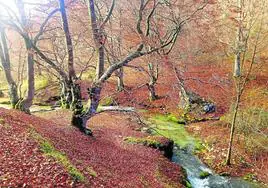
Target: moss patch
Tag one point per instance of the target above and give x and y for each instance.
(107, 101)
(49, 150)
(169, 127)
(204, 174)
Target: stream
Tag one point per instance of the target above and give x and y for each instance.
(194, 167)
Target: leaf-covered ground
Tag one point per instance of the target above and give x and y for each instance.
(105, 160)
(21, 162)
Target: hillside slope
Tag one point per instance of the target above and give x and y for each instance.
(104, 160)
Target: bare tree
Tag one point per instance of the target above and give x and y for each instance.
(144, 28)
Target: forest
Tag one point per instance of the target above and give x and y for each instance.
(138, 93)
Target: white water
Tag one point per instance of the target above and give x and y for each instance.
(194, 167)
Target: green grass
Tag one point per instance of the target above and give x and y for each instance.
(169, 127)
(49, 150)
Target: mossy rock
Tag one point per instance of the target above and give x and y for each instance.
(160, 143)
(250, 177)
(185, 181)
(204, 174)
(147, 141)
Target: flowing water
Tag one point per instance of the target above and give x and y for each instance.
(194, 167)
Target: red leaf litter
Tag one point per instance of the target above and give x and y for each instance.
(114, 162)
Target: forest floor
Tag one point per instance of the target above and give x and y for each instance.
(35, 151)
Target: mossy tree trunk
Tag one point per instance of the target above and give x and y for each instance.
(65, 95)
(70, 95)
(80, 117)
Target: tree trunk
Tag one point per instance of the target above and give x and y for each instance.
(237, 76)
(152, 93)
(66, 95)
(100, 65)
(185, 101)
(120, 79)
(237, 65)
(25, 104)
(72, 92)
(153, 74)
(76, 95)
(68, 39)
(80, 118)
(28, 101)
(5, 60)
(228, 157)
(98, 37)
